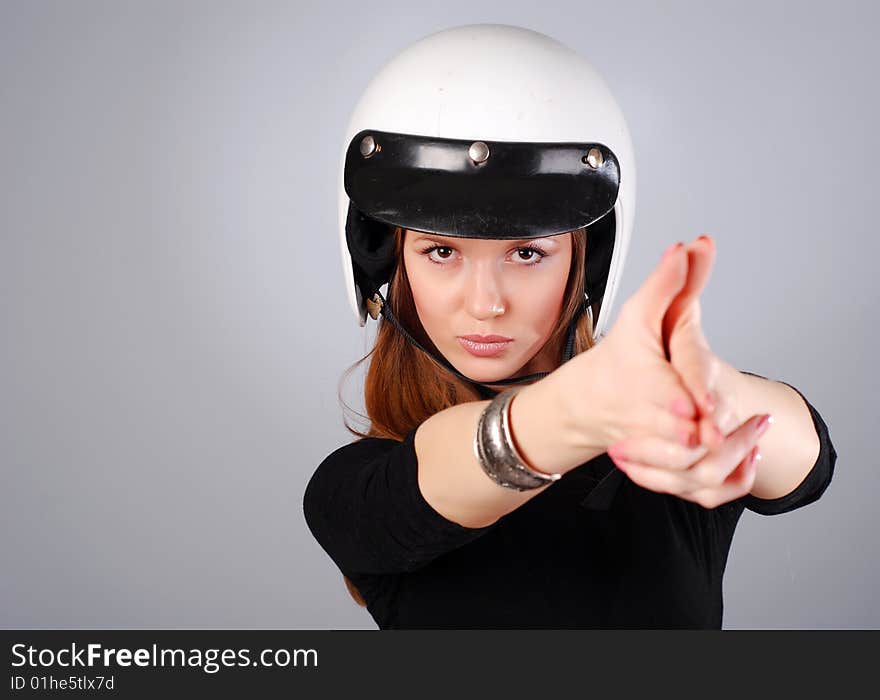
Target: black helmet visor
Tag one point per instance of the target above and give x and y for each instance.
(480, 189)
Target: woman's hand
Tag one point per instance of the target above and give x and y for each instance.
(624, 386)
(722, 468)
(689, 352)
(717, 477)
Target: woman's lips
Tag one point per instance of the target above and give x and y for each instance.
(483, 349)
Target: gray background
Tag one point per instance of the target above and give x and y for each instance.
(175, 323)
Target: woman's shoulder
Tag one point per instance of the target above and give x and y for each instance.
(367, 447)
(350, 461)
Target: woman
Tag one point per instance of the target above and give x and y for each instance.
(548, 475)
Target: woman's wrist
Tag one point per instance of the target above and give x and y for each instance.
(546, 433)
(728, 416)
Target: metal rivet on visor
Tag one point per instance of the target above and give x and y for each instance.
(594, 158)
(478, 152)
(368, 146)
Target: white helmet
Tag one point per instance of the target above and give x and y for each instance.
(485, 131)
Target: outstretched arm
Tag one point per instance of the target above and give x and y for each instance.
(729, 400)
(790, 448)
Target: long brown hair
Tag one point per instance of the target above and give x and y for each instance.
(404, 387)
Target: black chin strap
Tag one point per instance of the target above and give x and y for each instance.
(484, 389)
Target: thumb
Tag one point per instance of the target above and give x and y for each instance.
(701, 259)
(662, 286)
(697, 366)
(685, 306)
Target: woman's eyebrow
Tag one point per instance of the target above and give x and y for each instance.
(451, 240)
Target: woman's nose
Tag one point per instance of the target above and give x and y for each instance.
(484, 296)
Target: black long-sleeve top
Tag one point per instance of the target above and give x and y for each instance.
(593, 550)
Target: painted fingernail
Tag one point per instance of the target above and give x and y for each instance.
(671, 249)
(680, 408)
(763, 424)
(754, 456)
(616, 453)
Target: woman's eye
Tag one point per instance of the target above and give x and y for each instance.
(442, 251)
(531, 254)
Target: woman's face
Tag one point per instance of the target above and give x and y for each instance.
(475, 286)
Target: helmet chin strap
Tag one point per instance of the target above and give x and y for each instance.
(484, 388)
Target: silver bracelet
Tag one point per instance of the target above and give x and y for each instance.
(496, 453)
